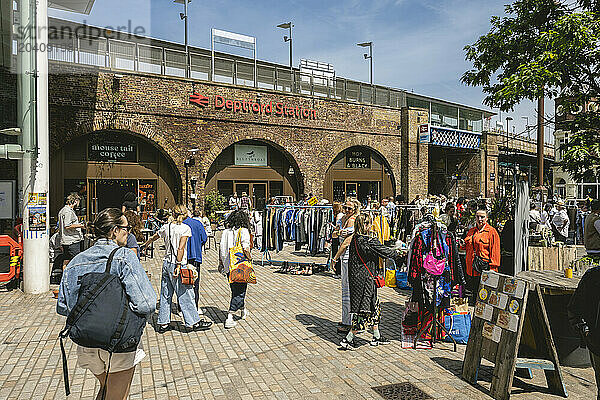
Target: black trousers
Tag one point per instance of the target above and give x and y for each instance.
(596, 364)
(238, 296)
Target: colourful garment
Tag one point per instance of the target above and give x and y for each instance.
(486, 244)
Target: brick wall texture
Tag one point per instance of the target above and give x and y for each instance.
(84, 100)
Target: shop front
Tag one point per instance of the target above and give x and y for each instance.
(359, 172)
(103, 167)
(258, 168)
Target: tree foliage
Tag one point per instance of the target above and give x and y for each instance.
(552, 48)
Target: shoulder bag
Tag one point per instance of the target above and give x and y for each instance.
(240, 268)
(189, 273)
(379, 281)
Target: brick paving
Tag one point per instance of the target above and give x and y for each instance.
(287, 349)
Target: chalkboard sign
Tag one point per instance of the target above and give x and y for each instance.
(358, 158)
(510, 329)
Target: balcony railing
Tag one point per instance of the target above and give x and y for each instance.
(167, 59)
(447, 137)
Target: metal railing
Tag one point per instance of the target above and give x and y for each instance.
(168, 60)
(523, 144)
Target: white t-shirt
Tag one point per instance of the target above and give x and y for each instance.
(177, 231)
(228, 240)
(561, 221)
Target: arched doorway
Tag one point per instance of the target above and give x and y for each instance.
(360, 172)
(103, 166)
(259, 168)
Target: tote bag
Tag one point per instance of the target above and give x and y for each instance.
(240, 268)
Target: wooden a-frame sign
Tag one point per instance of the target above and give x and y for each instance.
(510, 329)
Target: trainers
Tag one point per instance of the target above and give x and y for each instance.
(230, 323)
(381, 340)
(244, 314)
(202, 325)
(346, 345)
(163, 328)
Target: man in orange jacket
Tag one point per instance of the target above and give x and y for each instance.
(482, 241)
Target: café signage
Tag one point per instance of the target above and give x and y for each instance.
(271, 108)
(358, 158)
(112, 151)
(250, 155)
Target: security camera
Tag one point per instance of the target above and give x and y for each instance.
(366, 56)
(182, 15)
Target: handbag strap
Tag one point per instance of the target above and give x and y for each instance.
(365, 264)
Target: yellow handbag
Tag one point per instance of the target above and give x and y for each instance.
(240, 268)
(390, 278)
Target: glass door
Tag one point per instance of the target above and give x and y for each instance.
(259, 195)
(351, 189)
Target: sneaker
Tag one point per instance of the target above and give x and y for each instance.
(202, 325)
(382, 340)
(244, 314)
(230, 323)
(162, 328)
(346, 345)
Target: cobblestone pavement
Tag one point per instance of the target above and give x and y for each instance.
(287, 349)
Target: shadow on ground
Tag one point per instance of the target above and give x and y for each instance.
(485, 374)
(322, 327)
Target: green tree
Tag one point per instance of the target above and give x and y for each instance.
(213, 201)
(546, 47)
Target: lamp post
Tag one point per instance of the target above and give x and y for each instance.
(184, 17)
(289, 25)
(369, 57)
(189, 162)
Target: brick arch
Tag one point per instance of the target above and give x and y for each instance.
(126, 126)
(385, 154)
(211, 155)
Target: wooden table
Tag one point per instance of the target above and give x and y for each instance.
(551, 282)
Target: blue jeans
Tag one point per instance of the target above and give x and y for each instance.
(185, 297)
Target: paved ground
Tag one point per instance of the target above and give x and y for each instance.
(287, 349)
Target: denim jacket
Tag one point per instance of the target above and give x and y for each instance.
(125, 264)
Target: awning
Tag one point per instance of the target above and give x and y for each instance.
(78, 6)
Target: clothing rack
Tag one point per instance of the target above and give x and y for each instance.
(266, 255)
(435, 321)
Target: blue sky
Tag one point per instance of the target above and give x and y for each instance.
(418, 44)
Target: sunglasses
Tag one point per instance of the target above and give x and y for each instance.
(124, 227)
(348, 208)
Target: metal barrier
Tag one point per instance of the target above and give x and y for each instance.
(164, 60)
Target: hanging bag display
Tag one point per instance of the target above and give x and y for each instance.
(240, 267)
(188, 274)
(379, 281)
(431, 262)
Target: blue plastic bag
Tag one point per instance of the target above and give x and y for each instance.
(402, 280)
(459, 326)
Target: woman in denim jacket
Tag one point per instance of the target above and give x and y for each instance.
(111, 227)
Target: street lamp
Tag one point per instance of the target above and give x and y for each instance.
(368, 56)
(184, 17)
(189, 162)
(289, 25)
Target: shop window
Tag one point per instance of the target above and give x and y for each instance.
(147, 195)
(444, 115)
(339, 191)
(225, 188)
(471, 120)
(275, 188)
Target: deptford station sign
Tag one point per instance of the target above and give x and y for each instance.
(248, 106)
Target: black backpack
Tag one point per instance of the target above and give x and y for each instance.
(102, 317)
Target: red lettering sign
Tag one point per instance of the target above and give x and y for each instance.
(245, 106)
